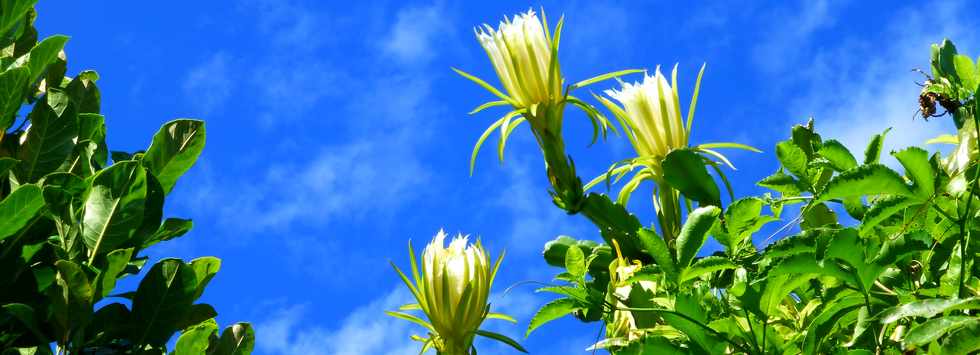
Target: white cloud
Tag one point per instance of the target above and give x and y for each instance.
(781, 45)
(411, 38)
(208, 85)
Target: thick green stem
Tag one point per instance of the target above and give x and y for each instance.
(669, 212)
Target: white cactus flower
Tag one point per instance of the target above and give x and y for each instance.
(521, 52)
(652, 113)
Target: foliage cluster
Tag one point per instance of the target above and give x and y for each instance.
(72, 224)
(901, 278)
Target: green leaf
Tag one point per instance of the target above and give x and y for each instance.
(932, 329)
(870, 179)
(884, 208)
(657, 248)
(838, 155)
(966, 71)
(706, 265)
(48, 142)
(196, 339)
(44, 53)
(818, 215)
(116, 262)
(170, 229)
(163, 297)
(684, 170)
(204, 270)
(174, 150)
(501, 316)
(502, 338)
(782, 182)
(873, 152)
(25, 314)
(917, 168)
(963, 341)
(694, 233)
(13, 85)
(19, 208)
(551, 311)
(236, 339)
(575, 261)
(928, 308)
(76, 295)
(743, 218)
(114, 207)
(793, 158)
(12, 12)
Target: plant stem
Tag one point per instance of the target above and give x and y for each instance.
(965, 232)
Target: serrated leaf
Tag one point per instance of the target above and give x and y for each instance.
(706, 265)
(917, 167)
(551, 311)
(838, 155)
(883, 209)
(782, 182)
(870, 179)
(873, 152)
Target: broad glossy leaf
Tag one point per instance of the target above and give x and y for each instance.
(871, 179)
(551, 311)
(74, 303)
(236, 339)
(694, 233)
(25, 314)
(170, 229)
(684, 170)
(163, 297)
(44, 53)
(19, 208)
(116, 262)
(114, 207)
(204, 269)
(13, 85)
(196, 339)
(174, 150)
(49, 140)
(12, 12)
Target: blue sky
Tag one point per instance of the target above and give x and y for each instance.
(336, 131)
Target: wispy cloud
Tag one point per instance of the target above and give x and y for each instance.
(208, 85)
(788, 28)
(411, 39)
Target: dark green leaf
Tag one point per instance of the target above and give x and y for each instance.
(684, 170)
(163, 297)
(236, 339)
(13, 85)
(48, 142)
(19, 208)
(175, 148)
(114, 207)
